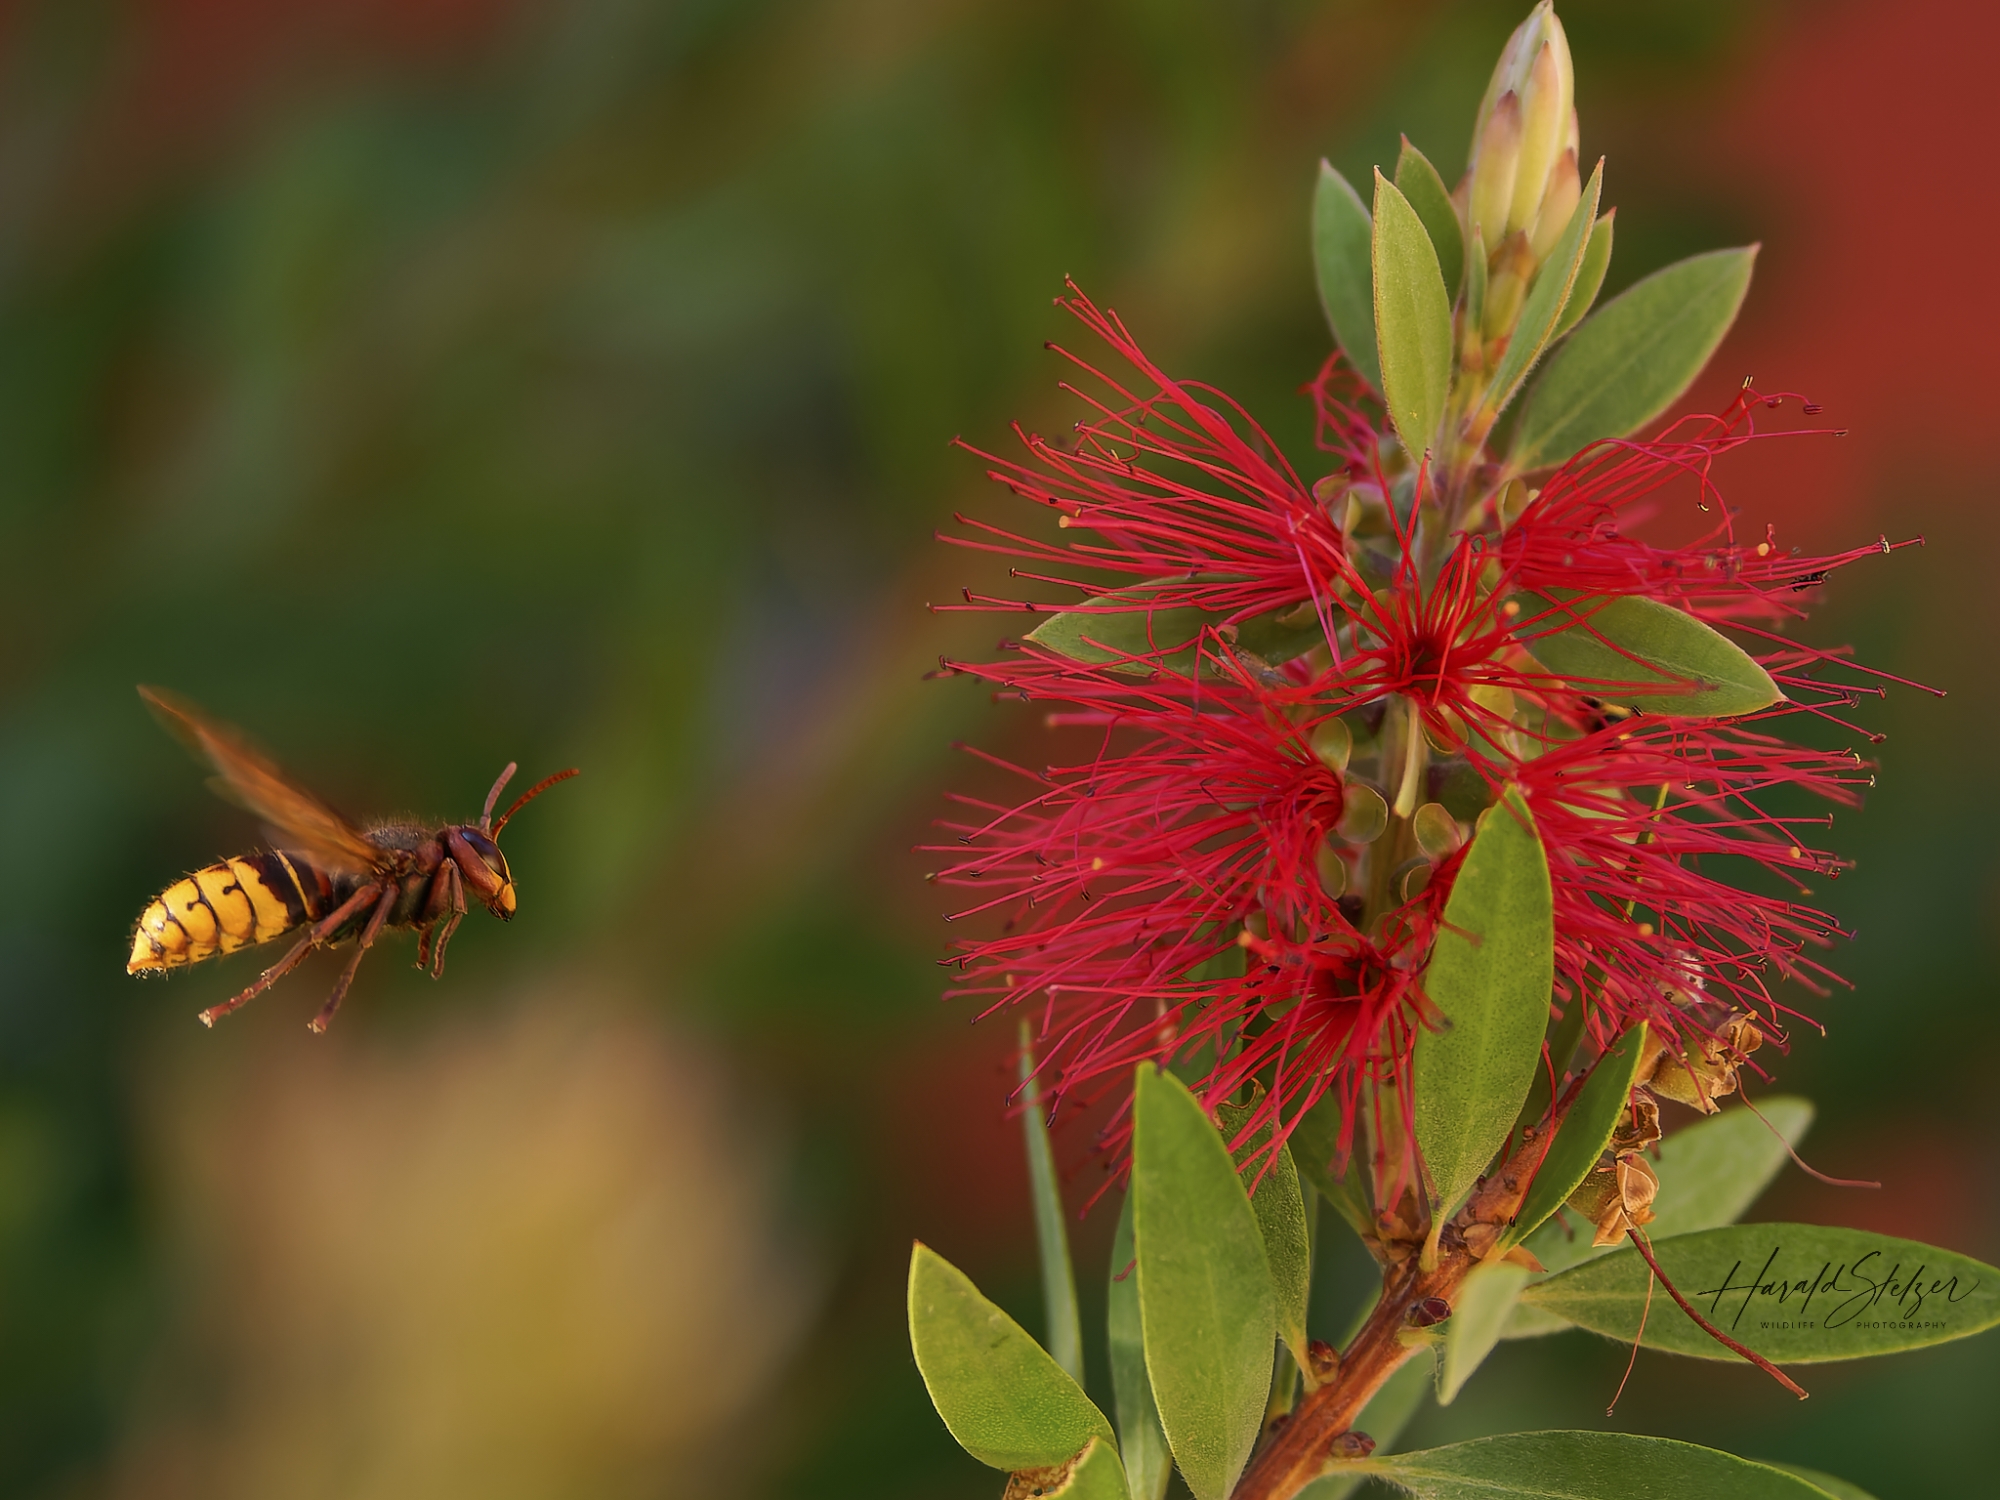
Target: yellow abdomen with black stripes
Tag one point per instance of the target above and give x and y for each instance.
(235, 904)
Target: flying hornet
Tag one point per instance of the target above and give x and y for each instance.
(322, 877)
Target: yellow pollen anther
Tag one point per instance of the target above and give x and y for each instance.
(1511, 608)
(1796, 851)
(1245, 938)
(1763, 549)
(1064, 522)
(1645, 929)
(1098, 863)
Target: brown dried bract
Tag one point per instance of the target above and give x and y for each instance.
(1707, 1072)
(1400, 1231)
(1639, 1129)
(1032, 1484)
(1617, 1196)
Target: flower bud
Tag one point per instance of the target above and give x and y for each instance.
(1545, 112)
(1565, 190)
(1496, 153)
(1324, 1361)
(1526, 123)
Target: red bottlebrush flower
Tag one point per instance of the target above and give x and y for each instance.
(1244, 862)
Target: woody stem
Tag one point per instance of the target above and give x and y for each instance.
(1298, 1452)
(1302, 1450)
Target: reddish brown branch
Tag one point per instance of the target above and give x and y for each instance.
(1312, 1439)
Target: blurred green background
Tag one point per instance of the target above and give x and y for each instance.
(425, 385)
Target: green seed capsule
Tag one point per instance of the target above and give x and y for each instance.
(1333, 743)
(1365, 815)
(1332, 871)
(1436, 830)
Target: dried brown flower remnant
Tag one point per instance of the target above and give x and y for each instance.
(1640, 1128)
(1617, 1196)
(1707, 1072)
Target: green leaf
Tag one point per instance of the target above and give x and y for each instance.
(1795, 1293)
(1632, 358)
(1412, 319)
(1342, 232)
(1490, 976)
(1546, 299)
(1563, 1036)
(1713, 1170)
(1584, 1132)
(1205, 1297)
(1316, 1135)
(1112, 629)
(1094, 1474)
(1065, 1341)
(1585, 1466)
(1643, 653)
(1478, 1318)
(1840, 1489)
(1589, 275)
(1144, 1446)
(1281, 1219)
(1475, 281)
(1418, 181)
(1004, 1399)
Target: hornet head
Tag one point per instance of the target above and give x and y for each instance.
(476, 848)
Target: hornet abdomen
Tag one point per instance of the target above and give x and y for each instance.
(235, 904)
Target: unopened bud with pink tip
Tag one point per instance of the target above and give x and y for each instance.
(1565, 188)
(1524, 133)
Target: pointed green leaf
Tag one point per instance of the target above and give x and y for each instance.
(1478, 1317)
(1713, 1170)
(1795, 1293)
(1490, 977)
(1341, 235)
(1584, 1466)
(1205, 1299)
(1584, 1133)
(1589, 275)
(1281, 1219)
(1563, 1036)
(1144, 1446)
(1004, 1399)
(1065, 1341)
(1316, 1145)
(1412, 319)
(1475, 280)
(1094, 1474)
(1113, 629)
(1419, 182)
(1642, 653)
(1546, 299)
(1632, 358)
(1840, 1489)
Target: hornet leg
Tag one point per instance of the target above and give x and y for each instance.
(451, 922)
(368, 933)
(314, 935)
(427, 916)
(445, 896)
